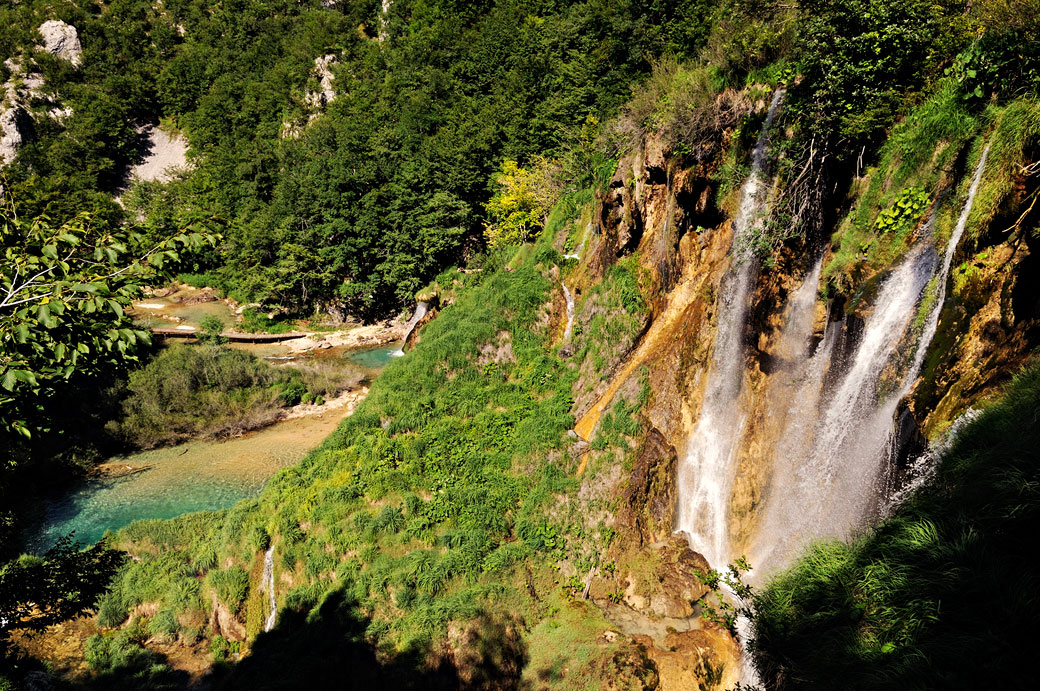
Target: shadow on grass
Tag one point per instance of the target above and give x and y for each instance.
(327, 648)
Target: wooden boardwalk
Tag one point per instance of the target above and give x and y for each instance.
(233, 336)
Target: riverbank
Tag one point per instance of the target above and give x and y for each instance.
(342, 405)
(183, 308)
(199, 475)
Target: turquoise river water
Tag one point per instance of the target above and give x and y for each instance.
(195, 476)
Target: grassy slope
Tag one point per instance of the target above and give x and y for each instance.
(441, 500)
(940, 595)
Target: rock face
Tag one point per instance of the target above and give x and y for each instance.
(62, 40)
(165, 153)
(26, 84)
(314, 100)
(325, 93)
(15, 129)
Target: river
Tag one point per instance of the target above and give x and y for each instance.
(200, 475)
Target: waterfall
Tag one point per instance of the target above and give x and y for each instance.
(706, 472)
(821, 488)
(421, 308)
(833, 447)
(570, 311)
(932, 320)
(268, 584)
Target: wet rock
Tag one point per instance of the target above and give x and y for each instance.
(649, 499)
(200, 298)
(694, 660)
(672, 587)
(223, 623)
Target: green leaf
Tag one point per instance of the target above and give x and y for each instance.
(116, 307)
(25, 376)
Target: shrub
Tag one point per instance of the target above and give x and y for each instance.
(164, 624)
(118, 651)
(293, 392)
(232, 585)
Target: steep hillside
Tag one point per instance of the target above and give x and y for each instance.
(735, 344)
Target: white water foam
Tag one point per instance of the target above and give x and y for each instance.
(833, 448)
(706, 471)
(570, 312)
(268, 583)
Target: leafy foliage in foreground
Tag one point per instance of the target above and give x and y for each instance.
(64, 290)
(942, 594)
(37, 592)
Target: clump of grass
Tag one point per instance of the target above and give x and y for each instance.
(913, 160)
(681, 104)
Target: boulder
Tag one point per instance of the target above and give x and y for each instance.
(62, 41)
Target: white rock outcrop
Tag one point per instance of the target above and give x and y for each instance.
(13, 131)
(62, 40)
(165, 154)
(326, 93)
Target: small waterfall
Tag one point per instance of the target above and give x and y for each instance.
(268, 584)
(932, 320)
(421, 308)
(827, 463)
(706, 472)
(922, 469)
(570, 312)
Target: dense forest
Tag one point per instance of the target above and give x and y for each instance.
(575, 189)
(360, 207)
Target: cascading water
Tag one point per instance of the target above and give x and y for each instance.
(825, 490)
(932, 320)
(827, 462)
(268, 581)
(706, 472)
(421, 308)
(570, 312)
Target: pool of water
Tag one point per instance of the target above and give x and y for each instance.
(197, 476)
(148, 311)
(201, 475)
(375, 358)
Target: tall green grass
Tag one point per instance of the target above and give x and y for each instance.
(429, 503)
(941, 595)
